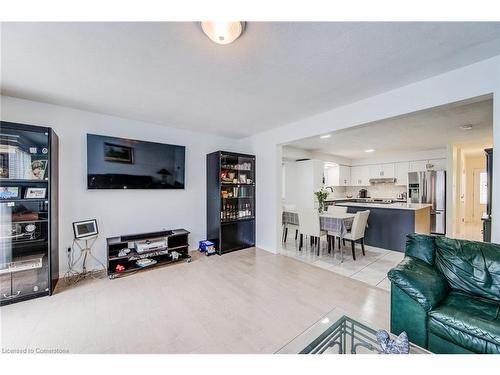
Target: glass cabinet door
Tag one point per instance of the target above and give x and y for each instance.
(237, 187)
(24, 230)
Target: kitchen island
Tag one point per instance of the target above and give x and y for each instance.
(389, 223)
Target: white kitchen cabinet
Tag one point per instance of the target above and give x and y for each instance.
(427, 165)
(418, 166)
(436, 164)
(338, 175)
(344, 175)
(360, 175)
(401, 173)
(382, 170)
(356, 176)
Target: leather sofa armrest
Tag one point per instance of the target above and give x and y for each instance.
(421, 281)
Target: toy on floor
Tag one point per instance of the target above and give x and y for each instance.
(206, 247)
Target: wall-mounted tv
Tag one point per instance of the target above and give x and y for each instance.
(118, 163)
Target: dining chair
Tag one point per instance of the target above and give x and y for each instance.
(309, 225)
(331, 235)
(357, 232)
(287, 226)
(336, 209)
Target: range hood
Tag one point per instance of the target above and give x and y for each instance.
(382, 180)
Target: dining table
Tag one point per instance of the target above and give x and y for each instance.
(334, 222)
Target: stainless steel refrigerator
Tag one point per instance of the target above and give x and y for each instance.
(430, 187)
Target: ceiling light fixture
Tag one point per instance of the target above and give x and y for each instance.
(324, 136)
(466, 127)
(223, 32)
(369, 150)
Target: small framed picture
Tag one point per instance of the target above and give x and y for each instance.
(86, 228)
(35, 193)
(38, 169)
(118, 153)
(9, 192)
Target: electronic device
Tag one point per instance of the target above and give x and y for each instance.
(118, 163)
(85, 229)
(150, 245)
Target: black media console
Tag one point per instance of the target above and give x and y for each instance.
(160, 248)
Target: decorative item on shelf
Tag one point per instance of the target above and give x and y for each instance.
(24, 215)
(35, 193)
(27, 231)
(9, 192)
(38, 169)
(123, 252)
(400, 345)
(119, 268)
(321, 196)
(243, 178)
(145, 262)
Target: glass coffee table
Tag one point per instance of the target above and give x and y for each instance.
(337, 333)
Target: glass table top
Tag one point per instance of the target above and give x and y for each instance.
(337, 333)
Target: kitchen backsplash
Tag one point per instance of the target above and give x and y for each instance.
(390, 191)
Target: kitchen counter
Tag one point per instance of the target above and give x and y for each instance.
(390, 223)
(394, 206)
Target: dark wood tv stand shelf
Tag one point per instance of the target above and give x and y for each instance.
(174, 240)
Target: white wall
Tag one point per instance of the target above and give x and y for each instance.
(120, 211)
(478, 79)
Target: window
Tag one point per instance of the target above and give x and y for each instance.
(483, 187)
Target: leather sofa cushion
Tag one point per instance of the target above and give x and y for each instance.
(421, 246)
(420, 281)
(468, 321)
(470, 266)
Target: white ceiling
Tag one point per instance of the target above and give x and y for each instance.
(420, 131)
(172, 74)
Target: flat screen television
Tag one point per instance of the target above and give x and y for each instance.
(118, 163)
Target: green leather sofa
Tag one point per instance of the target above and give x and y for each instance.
(446, 295)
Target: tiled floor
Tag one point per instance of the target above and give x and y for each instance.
(371, 268)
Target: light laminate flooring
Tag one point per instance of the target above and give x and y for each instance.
(249, 301)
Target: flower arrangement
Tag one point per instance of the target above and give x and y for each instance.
(321, 196)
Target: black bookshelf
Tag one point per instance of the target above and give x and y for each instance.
(29, 251)
(163, 244)
(230, 200)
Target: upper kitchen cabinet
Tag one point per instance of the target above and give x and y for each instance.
(427, 165)
(338, 175)
(382, 171)
(401, 172)
(418, 166)
(436, 165)
(360, 175)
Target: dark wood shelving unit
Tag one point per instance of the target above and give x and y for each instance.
(175, 240)
(230, 200)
